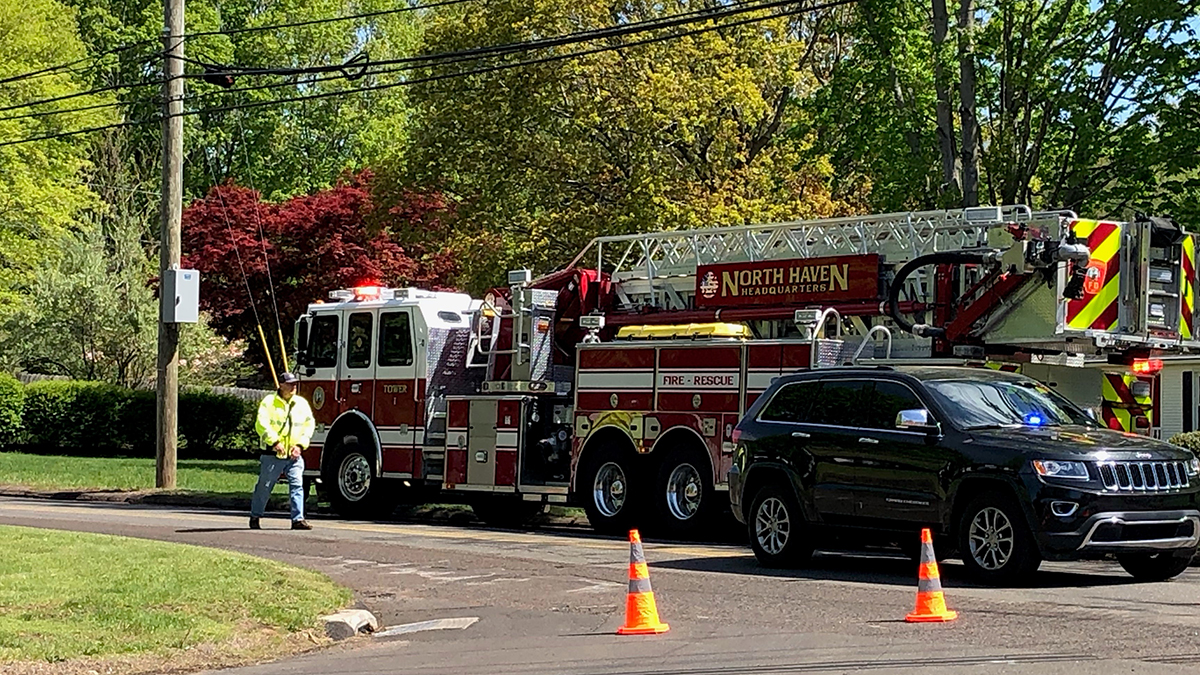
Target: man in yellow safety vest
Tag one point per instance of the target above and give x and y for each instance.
(285, 425)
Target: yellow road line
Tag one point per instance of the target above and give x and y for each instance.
(430, 531)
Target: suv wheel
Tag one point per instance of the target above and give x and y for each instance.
(996, 545)
(1158, 566)
(776, 528)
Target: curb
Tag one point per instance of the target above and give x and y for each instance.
(431, 513)
(349, 622)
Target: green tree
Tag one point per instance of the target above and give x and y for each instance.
(687, 132)
(42, 190)
(281, 150)
(93, 316)
(1091, 106)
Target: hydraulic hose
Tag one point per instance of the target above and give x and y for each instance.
(979, 256)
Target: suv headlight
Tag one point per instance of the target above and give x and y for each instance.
(1193, 467)
(1051, 468)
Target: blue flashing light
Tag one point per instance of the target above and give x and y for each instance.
(1034, 420)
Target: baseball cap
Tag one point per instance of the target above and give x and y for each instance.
(288, 378)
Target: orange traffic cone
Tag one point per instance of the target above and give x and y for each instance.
(931, 604)
(641, 612)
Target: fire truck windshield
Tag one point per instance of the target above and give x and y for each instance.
(974, 404)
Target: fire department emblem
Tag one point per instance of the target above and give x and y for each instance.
(709, 285)
(1093, 279)
(318, 398)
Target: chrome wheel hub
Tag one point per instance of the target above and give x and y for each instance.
(354, 477)
(772, 527)
(608, 490)
(991, 538)
(684, 492)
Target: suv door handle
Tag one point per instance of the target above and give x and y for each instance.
(869, 441)
(800, 434)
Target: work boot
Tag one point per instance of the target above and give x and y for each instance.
(254, 523)
(301, 525)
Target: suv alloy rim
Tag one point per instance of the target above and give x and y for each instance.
(772, 526)
(354, 477)
(991, 538)
(684, 491)
(608, 490)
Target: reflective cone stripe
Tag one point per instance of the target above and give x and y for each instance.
(641, 611)
(1187, 289)
(1098, 308)
(931, 601)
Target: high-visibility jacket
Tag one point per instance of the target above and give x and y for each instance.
(288, 421)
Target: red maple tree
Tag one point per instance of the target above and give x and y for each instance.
(309, 244)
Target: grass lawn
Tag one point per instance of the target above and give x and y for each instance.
(65, 595)
(234, 476)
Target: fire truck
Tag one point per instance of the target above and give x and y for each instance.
(615, 383)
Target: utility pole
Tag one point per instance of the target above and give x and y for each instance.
(169, 249)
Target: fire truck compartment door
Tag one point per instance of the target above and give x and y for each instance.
(481, 444)
(357, 388)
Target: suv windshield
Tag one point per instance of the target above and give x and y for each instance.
(975, 404)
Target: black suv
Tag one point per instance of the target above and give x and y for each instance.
(1005, 470)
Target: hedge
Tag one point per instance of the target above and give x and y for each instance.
(96, 419)
(1189, 440)
(12, 404)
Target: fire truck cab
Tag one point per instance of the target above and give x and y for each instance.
(376, 365)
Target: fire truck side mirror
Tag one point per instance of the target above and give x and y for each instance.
(302, 341)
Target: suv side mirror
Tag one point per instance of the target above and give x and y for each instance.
(916, 420)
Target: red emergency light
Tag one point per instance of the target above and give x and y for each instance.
(1147, 366)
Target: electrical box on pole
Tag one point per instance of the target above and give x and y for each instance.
(181, 296)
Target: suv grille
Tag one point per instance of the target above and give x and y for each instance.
(1143, 476)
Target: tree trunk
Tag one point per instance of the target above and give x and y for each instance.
(966, 95)
(945, 113)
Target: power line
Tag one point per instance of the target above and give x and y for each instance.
(517, 64)
(739, 7)
(468, 73)
(334, 19)
(50, 70)
(444, 57)
(92, 92)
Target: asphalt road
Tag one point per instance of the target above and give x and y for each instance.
(550, 602)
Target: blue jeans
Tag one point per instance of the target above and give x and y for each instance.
(268, 474)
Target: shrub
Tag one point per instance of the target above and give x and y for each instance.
(12, 403)
(96, 419)
(48, 416)
(211, 423)
(1189, 440)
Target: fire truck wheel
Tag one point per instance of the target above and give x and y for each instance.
(353, 488)
(683, 493)
(507, 513)
(609, 490)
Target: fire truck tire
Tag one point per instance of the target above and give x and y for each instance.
(683, 492)
(506, 513)
(611, 491)
(354, 489)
